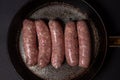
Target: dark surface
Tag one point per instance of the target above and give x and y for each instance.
(110, 13)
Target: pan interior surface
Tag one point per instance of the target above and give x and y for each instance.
(64, 13)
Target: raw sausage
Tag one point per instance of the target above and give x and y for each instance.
(44, 40)
(29, 42)
(57, 43)
(71, 44)
(84, 44)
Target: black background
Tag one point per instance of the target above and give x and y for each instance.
(109, 10)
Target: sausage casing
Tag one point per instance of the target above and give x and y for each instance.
(44, 40)
(84, 44)
(57, 43)
(71, 44)
(29, 42)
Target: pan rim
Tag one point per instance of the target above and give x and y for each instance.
(100, 20)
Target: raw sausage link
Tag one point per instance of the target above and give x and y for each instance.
(44, 40)
(71, 44)
(29, 42)
(84, 44)
(57, 43)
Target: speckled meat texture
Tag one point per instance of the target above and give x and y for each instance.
(84, 44)
(57, 43)
(71, 44)
(44, 40)
(29, 42)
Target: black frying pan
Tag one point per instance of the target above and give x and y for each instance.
(62, 10)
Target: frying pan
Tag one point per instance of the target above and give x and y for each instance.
(62, 10)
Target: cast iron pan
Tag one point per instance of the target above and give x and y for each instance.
(62, 10)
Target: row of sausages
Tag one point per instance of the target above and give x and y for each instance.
(44, 43)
